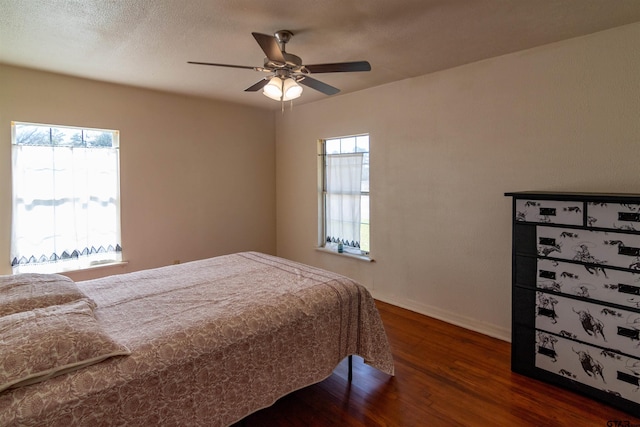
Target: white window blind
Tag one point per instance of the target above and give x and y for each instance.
(66, 197)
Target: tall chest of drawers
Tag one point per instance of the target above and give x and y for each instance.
(576, 293)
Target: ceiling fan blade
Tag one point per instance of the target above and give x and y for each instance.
(224, 65)
(256, 87)
(270, 46)
(340, 67)
(318, 85)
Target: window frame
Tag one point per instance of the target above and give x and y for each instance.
(81, 261)
(322, 200)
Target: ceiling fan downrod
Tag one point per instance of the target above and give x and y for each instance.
(283, 37)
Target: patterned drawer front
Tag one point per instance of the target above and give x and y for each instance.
(594, 247)
(619, 287)
(619, 216)
(550, 211)
(601, 369)
(592, 323)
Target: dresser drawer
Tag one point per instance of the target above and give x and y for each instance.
(550, 211)
(592, 323)
(619, 216)
(615, 286)
(594, 247)
(601, 369)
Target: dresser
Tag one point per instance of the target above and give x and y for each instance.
(576, 293)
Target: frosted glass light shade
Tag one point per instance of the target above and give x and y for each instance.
(292, 90)
(273, 89)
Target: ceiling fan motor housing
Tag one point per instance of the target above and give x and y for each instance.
(294, 62)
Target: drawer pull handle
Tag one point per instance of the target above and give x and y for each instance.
(628, 289)
(629, 216)
(548, 211)
(544, 274)
(546, 312)
(628, 378)
(629, 333)
(628, 250)
(547, 352)
(547, 241)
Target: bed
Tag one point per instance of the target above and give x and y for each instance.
(201, 343)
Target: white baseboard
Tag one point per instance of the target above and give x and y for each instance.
(446, 316)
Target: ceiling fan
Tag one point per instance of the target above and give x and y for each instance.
(287, 72)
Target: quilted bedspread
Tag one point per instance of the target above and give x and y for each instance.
(211, 341)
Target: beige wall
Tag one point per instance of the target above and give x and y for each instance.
(202, 178)
(197, 176)
(445, 147)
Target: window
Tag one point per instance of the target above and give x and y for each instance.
(345, 193)
(66, 197)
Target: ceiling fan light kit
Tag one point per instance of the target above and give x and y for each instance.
(287, 71)
(280, 89)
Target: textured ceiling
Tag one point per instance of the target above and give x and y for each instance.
(147, 43)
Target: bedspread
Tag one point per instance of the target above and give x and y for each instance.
(211, 341)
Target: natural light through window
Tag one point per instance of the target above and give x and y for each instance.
(66, 197)
(345, 194)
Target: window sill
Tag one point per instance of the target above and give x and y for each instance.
(62, 269)
(364, 258)
(97, 267)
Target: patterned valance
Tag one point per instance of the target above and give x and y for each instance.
(351, 243)
(75, 254)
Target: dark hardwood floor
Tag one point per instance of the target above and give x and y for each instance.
(445, 376)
